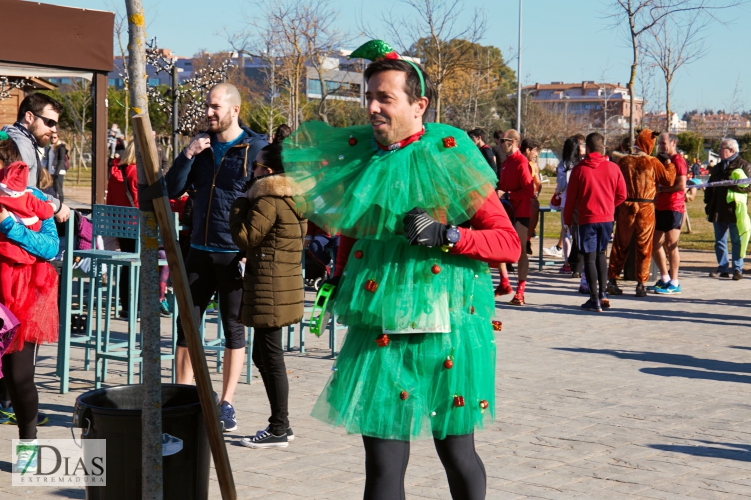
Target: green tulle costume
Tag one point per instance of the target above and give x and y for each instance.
(440, 381)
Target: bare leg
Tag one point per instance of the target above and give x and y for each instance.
(523, 269)
(184, 368)
(234, 359)
(671, 246)
(658, 252)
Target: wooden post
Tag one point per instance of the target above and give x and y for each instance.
(99, 154)
(147, 146)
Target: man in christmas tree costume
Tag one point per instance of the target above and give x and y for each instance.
(420, 221)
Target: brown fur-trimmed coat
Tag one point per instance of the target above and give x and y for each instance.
(269, 227)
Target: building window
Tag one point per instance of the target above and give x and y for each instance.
(153, 82)
(111, 82)
(314, 87)
(120, 82)
(333, 86)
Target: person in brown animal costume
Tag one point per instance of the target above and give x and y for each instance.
(636, 216)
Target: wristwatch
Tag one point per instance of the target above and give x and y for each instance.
(452, 236)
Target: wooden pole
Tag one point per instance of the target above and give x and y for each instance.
(147, 146)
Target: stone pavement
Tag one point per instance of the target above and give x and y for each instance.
(648, 400)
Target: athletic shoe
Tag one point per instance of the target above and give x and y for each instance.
(227, 417)
(553, 251)
(290, 434)
(27, 458)
(8, 417)
(659, 284)
(719, 274)
(504, 290)
(565, 269)
(669, 290)
(212, 307)
(265, 440)
(518, 299)
(592, 306)
(640, 290)
(123, 314)
(584, 289)
(164, 309)
(529, 247)
(576, 275)
(613, 288)
(737, 275)
(605, 303)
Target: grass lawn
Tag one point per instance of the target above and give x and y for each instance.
(701, 238)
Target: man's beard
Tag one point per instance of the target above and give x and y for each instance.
(42, 139)
(221, 125)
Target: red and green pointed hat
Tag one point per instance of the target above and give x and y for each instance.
(376, 50)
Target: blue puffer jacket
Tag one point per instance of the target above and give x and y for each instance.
(43, 243)
(216, 189)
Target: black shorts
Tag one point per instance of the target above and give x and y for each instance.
(667, 220)
(524, 221)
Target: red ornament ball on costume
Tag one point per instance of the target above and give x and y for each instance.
(472, 310)
(352, 141)
(358, 254)
(449, 142)
(404, 395)
(483, 404)
(371, 285)
(436, 269)
(497, 325)
(448, 364)
(458, 401)
(383, 340)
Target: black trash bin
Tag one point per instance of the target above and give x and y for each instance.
(114, 414)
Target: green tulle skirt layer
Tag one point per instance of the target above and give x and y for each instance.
(354, 188)
(404, 390)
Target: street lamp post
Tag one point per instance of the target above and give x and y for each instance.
(519, 76)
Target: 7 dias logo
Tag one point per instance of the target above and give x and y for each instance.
(50, 462)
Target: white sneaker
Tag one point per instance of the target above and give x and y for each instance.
(553, 251)
(27, 458)
(265, 440)
(290, 434)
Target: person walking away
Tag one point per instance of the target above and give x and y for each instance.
(217, 164)
(478, 137)
(265, 222)
(595, 188)
(517, 185)
(696, 169)
(34, 302)
(670, 209)
(720, 207)
(56, 162)
(531, 150)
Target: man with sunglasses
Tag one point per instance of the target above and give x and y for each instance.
(36, 122)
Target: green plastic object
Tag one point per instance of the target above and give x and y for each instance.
(319, 315)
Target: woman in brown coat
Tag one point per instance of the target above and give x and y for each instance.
(266, 224)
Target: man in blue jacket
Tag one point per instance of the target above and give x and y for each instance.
(217, 164)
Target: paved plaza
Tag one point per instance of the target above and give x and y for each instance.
(648, 400)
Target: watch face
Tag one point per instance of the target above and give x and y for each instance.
(452, 234)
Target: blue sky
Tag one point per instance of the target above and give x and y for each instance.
(564, 40)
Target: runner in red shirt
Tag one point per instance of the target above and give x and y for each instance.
(517, 187)
(670, 208)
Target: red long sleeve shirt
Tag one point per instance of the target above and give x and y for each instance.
(595, 188)
(492, 238)
(516, 180)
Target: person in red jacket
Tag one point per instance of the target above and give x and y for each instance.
(516, 185)
(595, 188)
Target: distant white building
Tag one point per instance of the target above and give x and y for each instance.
(657, 122)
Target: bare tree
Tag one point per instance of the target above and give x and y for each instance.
(434, 33)
(733, 106)
(151, 408)
(640, 16)
(674, 43)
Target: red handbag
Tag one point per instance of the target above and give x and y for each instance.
(555, 201)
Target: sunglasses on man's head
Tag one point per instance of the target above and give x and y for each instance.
(506, 140)
(47, 121)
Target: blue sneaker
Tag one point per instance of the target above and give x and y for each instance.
(659, 285)
(671, 289)
(227, 417)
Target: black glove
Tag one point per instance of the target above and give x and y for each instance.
(421, 229)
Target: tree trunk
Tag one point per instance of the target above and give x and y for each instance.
(667, 104)
(635, 47)
(438, 103)
(151, 409)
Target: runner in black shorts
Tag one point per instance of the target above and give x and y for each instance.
(667, 220)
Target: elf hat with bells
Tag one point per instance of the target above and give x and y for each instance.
(14, 178)
(375, 50)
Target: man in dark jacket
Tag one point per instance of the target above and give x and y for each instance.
(721, 213)
(217, 165)
(478, 137)
(55, 160)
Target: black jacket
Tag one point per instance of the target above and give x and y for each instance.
(715, 198)
(215, 190)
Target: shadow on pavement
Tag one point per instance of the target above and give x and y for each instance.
(697, 374)
(739, 452)
(668, 359)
